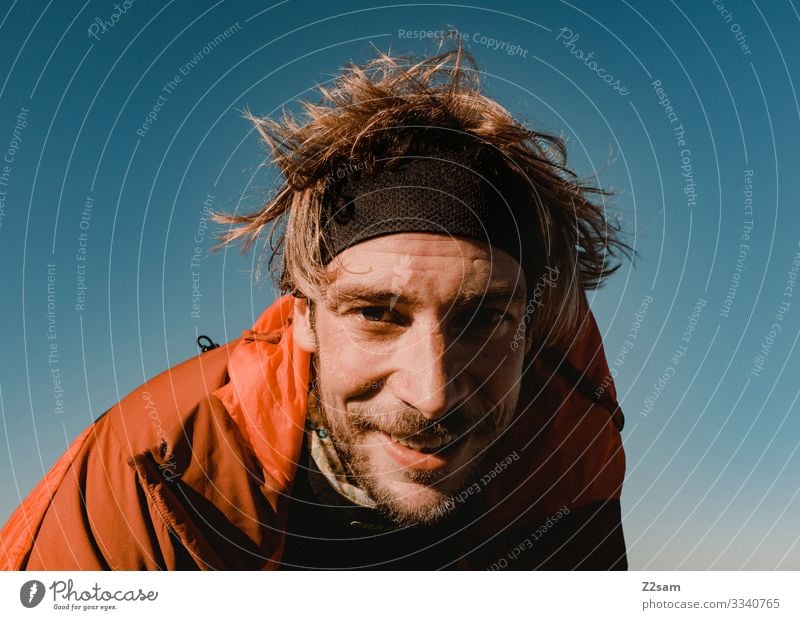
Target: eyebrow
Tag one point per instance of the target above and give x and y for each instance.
(505, 293)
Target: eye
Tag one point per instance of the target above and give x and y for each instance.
(488, 316)
(480, 321)
(376, 314)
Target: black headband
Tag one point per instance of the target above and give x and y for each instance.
(464, 192)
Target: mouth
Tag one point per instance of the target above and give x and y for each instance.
(424, 452)
(426, 444)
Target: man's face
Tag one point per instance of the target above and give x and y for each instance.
(416, 371)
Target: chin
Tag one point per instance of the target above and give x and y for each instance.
(409, 497)
(410, 504)
(412, 487)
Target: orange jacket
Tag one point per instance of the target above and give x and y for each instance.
(193, 468)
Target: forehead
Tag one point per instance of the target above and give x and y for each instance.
(424, 266)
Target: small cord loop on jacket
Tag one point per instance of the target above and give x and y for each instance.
(205, 343)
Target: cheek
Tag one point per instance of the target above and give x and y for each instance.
(346, 368)
(499, 373)
(496, 363)
(352, 351)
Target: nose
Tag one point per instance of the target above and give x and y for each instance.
(427, 373)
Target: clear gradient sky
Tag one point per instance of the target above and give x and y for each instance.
(688, 110)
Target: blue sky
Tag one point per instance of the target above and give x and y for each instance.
(114, 163)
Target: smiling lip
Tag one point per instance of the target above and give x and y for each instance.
(407, 456)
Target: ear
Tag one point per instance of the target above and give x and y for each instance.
(301, 325)
(528, 340)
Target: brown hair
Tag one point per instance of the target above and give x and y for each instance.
(367, 116)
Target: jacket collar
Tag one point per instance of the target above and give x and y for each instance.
(267, 392)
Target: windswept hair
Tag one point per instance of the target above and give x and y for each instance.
(367, 118)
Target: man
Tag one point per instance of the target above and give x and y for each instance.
(426, 393)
